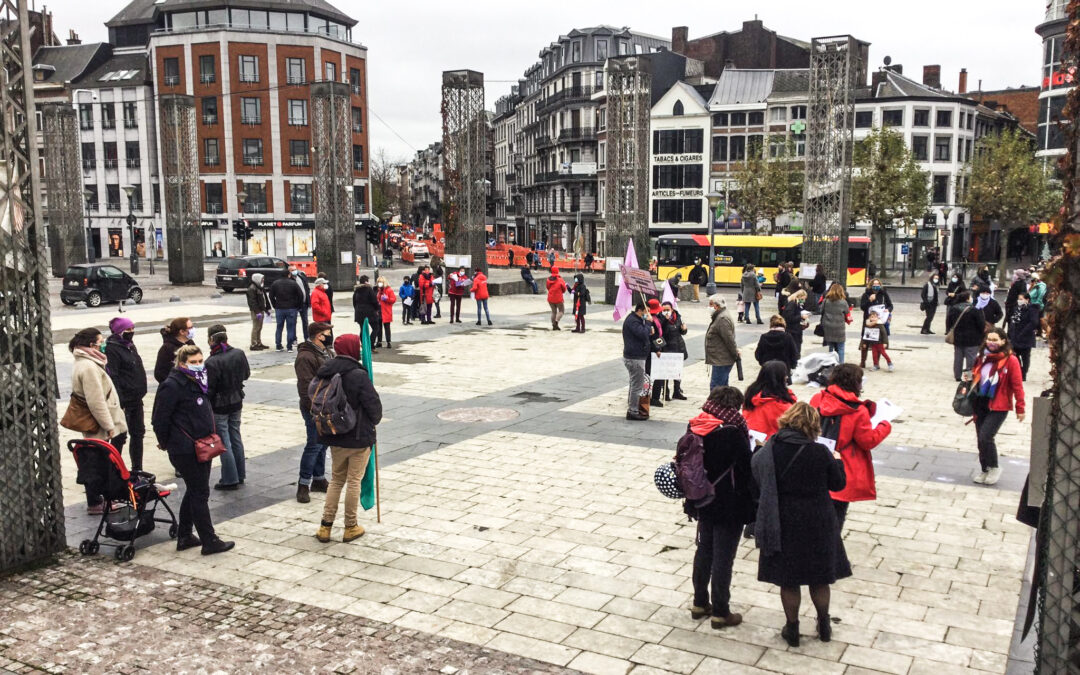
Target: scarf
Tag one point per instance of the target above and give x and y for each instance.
(988, 388)
(728, 416)
(95, 355)
(982, 302)
(763, 466)
(198, 378)
(220, 348)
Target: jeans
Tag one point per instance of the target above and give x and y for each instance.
(757, 310)
(557, 311)
(256, 328)
(283, 316)
(425, 313)
(350, 465)
(987, 423)
(930, 312)
(455, 307)
(303, 321)
(719, 377)
(963, 359)
(534, 287)
(136, 424)
(837, 347)
(717, 544)
(194, 507)
(313, 458)
(636, 369)
(232, 461)
(479, 304)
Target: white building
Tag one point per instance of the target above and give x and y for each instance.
(679, 161)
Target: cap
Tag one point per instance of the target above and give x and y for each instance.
(654, 306)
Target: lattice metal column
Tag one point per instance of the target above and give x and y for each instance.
(335, 231)
(830, 123)
(464, 151)
(626, 201)
(63, 182)
(31, 495)
(180, 177)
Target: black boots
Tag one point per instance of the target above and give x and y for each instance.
(791, 633)
(184, 542)
(824, 628)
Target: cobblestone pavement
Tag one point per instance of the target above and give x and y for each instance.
(540, 534)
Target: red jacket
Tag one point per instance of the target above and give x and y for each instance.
(387, 298)
(479, 286)
(427, 289)
(556, 286)
(1011, 384)
(453, 287)
(320, 305)
(765, 413)
(857, 438)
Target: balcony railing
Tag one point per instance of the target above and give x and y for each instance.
(172, 80)
(544, 141)
(213, 208)
(300, 160)
(568, 95)
(212, 161)
(133, 163)
(110, 163)
(357, 128)
(355, 88)
(253, 160)
(298, 122)
(209, 120)
(249, 78)
(578, 134)
(207, 78)
(89, 163)
(131, 124)
(301, 208)
(113, 207)
(91, 206)
(358, 166)
(86, 126)
(108, 124)
(251, 120)
(511, 177)
(254, 207)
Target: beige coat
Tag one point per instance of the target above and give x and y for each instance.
(89, 380)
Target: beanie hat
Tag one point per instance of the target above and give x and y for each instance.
(347, 345)
(316, 327)
(120, 324)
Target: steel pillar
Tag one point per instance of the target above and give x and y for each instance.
(63, 185)
(180, 180)
(465, 140)
(335, 231)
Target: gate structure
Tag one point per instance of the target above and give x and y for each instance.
(31, 497)
(834, 68)
(335, 232)
(63, 184)
(465, 139)
(180, 176)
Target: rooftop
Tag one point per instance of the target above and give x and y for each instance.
(148, 11)
(68, 62)
(122, 69)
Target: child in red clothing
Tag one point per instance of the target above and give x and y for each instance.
(877, 339)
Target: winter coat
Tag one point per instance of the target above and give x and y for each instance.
(556, 287)
(783, 278)
(882, 335)
(362, 398)
(635, 337)
(320, 305)
(1038, 294)
(750, 286)
(720, 346)
(406, 291)
(928, 296)
(286, 294)
(792, 314)
(582, 298)
(767, 410)
(817, 284)
(811, 550)
(386, 299)
(699, 275)
(226, 372)
(427, 289)
(166, 356)
(480, 287)
(126, 370)
(89, 380)
(1010, 387)
(856, 435)
(1018, 287)
(366, 305)
(726, 446)
(257, 301)
(970, 327)
(777, 345)
(309, 359)
(834, 320)
(881, 298)
(954, 287)
(182, 414)
(454, 287)
(672, 332)
(992, 312)
(1023, 325)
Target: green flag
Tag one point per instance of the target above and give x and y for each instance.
(367, 485)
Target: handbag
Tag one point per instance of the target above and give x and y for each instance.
(757, 296)
(950, 337)
(78, 417)
(963, 403)
(207, 447)
(819, 330)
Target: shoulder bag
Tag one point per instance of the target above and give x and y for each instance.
(78, 417)
(207, 447)
(950, 337)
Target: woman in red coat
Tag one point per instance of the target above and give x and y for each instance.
(768, 398)
(480, 294)
(427, 295)
(387, 298)
(320, 302)
(556, 289)
(846, 419)
(998, 381)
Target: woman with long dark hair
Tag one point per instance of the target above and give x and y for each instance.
(998, 381)
(768, 398)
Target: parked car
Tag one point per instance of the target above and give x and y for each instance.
(419, 250)
(97, 283)
(235, 271)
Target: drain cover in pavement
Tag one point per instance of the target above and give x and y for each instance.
(478, 415)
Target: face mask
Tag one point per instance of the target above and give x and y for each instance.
(191, 333)
(992, 347)
(667, 315)
(1022, 303)
(196, 367)
(877, 289)
(101, 347)
(128, 335)
(955, 279)
(294, 273)
(985, 296)
(328, 339)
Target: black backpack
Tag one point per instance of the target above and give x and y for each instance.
(330, 409)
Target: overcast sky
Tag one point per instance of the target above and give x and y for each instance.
(411, 42)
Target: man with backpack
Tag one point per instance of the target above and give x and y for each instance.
(346, 408)
(310, 356)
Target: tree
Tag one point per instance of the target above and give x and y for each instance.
(887, 187)
(768, 188)
(1008, 184)
(384, 183)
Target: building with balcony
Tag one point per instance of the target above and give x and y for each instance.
(1055, 78)
(426, 187)
(507, 161)
(249, 70)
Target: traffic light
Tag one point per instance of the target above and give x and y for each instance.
(242, 231)
(372, 232)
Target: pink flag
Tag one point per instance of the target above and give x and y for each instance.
(669, 296)
(624, 301)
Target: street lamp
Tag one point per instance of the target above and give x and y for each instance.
(945, 211)
(714, 198)
(151, 247)
(241, 202)
(129, 190)
(89, 228)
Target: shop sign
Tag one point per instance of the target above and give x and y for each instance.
(695, 158)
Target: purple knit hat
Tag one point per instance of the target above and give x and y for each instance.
(120, 324)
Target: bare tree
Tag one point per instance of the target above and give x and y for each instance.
(384, 183)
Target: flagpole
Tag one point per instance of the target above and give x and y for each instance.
(365, 357)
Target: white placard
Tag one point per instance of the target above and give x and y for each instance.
(346, 257)
(611, 264)
(871, 334)
(807, 270)
(886, 411)
(667, 367)
(757, 437)
(827, 442)
(881, 311)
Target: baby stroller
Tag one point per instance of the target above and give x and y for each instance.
(131, 499)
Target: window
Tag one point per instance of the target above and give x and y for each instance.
(944, 118)
(777, 147)
(86, 116)
(209, 110)
(719, 148)
(108, 116)
(358, 157)
(892, 118)
(359, 199)
(920, 148)
(601, 154)
(92, 200)
(89, 160)
(676, 211)
(921, 118)
(357, 120)
(737, 148)
(678, 109)
(249, 69)
(738, 119)
(131, 154)
(214, 203)
(755, 145)
(971, 121)
(331, 71)
(110, 155)
(211, 155)
(295, 72)
(967, 148)
(755, 119)
(941, 189)
(253, 155)
(601, 50)
(172, 72)
(299, 153)
(112, 197)
(678, 141)
(298, 116)
(131, 117)
(354, 80)
(864, 119)
(599, 80)
(256, 198)
(778, 114)
(157, 198)
(677, 176)
(798, 112)
(575, 51)
(300, 198)
(942, 145)
(207, 74)
(250, 110)
(720, 119)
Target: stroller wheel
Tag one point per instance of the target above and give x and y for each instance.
(172, 531)
(84, 546)
(125, 553)
(94, 547)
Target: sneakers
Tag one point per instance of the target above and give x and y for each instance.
(319, 485)
(979, 477)
(992, 476)
(303, 494)
(876, 368)
(323, 534)
(891, 368)
(351, 533)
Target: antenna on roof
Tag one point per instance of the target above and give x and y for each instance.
(888, 60)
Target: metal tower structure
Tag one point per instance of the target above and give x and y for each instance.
(626, 201)
(834, 67)
(63, 184)
(31, 495)
(335, 232)
(465, 139)
(180, 176)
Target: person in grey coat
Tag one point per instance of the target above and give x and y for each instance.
(751, 289)
(834, 319)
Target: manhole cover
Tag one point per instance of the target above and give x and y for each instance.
(478, 415)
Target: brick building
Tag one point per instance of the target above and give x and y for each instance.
(753, 46)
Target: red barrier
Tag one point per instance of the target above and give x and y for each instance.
(310, 268)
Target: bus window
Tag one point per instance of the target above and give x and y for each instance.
(770, 257)
(668, 254)
(857, 257)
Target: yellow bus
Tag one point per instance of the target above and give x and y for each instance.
(676, 253)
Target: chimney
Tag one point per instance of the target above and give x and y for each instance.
(729, 63)
(679, 39)
(931, 76)
(962, 87)
(73, 38)
(876, 78)
(896, 68)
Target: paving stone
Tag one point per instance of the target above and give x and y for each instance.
(603, 643)
(675, 660)
(588, 662)
(531, 626)
(531, 648)
(877, 659)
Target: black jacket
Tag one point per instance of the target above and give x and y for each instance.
(182, 412)
(817, 285)
(954, 287)
(777, 345)
(993, 312)
(257, 300)
(929, 296)
(285, 294)
(362, 398)
(635, 338)
(728, 446)
(971, 330)
(309, 359)
(783, 279)
(881, 298)
(792, 314)
(1018, 286)
(225, 375)
(673, 338)
(366, 305)
(699, 275)
(1023, 325)
(166, 356)
(126, 370)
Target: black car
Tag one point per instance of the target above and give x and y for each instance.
(235, 271)
(97, 283)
